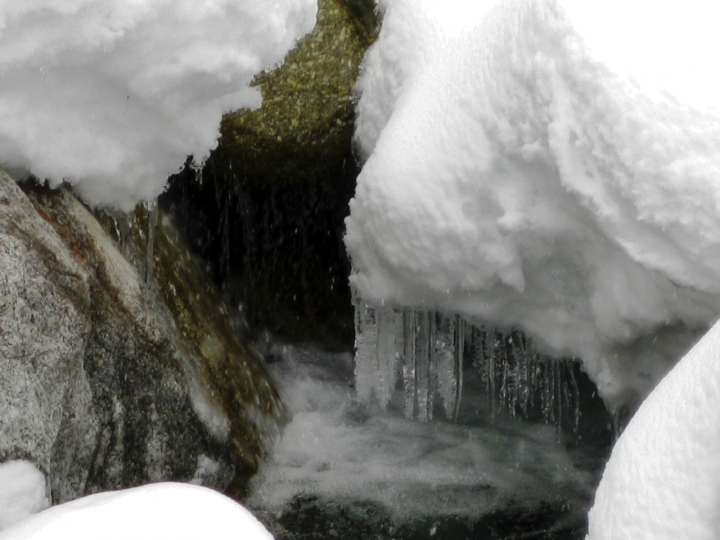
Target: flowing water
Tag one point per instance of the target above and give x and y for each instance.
(370, 467)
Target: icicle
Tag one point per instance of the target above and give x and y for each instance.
(152, 213)
(366, 353)
(576, 400)
(198, 169)
(423, 369)
(458, 360)
(427, 350)
(446, 345)
(389, 341)
(409, 362)
(491, 386)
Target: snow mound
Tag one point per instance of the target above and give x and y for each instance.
(22, 492)
(532, 163)
(113, 95)
(165, 510)
(661, 482)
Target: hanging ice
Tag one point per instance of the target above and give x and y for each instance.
(422, 354)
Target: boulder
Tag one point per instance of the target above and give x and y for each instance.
(109, 379)
(266, 212)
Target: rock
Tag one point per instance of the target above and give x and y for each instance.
(267, 211)
(102, 385)
(302, 131)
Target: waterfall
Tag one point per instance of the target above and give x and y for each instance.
(424, 354)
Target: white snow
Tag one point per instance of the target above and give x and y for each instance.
(113, 95)
(22, 492)
(164, 510)
(661, 482)
(552, 165)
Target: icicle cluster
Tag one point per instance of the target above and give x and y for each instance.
(424, 353)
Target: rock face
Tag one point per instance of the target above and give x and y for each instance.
(268, 213)
(100, 387)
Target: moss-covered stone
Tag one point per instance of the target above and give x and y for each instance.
(231, 372)
(301, 132)
(267, 214)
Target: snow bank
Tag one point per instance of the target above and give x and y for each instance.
(165, 510)
(536, 163)
(114, 95)
(22, 492)
(661, 482)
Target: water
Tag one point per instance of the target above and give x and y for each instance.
(364, 468)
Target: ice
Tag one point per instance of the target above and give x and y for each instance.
(430, 350)
(532, 168)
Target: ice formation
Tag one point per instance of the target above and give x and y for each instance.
(424, 353)
(661, 482)
(534, 164)
(113, 95)
(164, 510)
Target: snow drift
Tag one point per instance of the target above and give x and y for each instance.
(163, 510)
(661, 482)
(114, 95)
(550, 165)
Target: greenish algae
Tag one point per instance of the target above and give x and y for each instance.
(231, 371)
(303, 129)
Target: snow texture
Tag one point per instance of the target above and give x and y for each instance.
(538, 164)
(22, 492)
(661, 482)
(165, 510)
(114, 95)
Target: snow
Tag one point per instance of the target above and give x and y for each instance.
(113, 95)
(164, 510)
(661, 482)
(540, 164)
(22, 492)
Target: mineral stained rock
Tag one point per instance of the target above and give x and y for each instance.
(109, 380)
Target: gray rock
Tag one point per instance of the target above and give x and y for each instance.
(102, 386)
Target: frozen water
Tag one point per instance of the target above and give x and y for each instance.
(430, 351)
(546, 165)
(164, 510)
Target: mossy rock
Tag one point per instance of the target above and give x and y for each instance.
(302, 131)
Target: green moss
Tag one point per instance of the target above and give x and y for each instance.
(232, 373)
(303, 129)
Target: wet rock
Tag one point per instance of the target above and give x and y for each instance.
(108, 380)
(267, 211)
